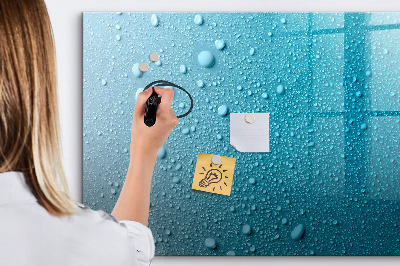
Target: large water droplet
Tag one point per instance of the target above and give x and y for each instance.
(206, 59)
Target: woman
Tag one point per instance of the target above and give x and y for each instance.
(39, 222)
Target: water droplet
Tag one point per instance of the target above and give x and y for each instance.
(363, 126)
(265, 95)
(223, 110)
(178, 166)
(198, 20)
(246, 229)
(162, 152)
(118, 37)
(220, 44)
(206, 59)
(103, 82)
(185, 131)
(231, 253)
(154, 20)
(183, 69)
(297, 232)
(136, 71)
(200, 83)
(252, 50)
(210, 243)
(280, 89)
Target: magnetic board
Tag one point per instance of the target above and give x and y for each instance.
(330, 82)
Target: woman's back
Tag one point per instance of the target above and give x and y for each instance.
(32, 236)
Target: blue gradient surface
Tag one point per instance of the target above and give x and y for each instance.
(331, 83)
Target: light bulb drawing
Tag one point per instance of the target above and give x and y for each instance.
(213, 176)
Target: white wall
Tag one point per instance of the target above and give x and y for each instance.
(67, 23)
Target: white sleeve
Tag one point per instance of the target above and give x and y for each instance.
(142, 239)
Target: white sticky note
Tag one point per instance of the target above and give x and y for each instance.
(249, 137)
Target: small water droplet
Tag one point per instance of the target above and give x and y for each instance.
(280, 89)
(183, 69)
(198, 20)
(210, 243)
(223, 110)
(154, 20)
(220, 44)
(246, 229)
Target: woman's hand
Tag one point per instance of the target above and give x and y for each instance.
(148, 140)
(134, 200)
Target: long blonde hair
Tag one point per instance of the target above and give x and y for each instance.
(29, 123)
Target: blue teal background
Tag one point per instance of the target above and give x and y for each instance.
(334, 164)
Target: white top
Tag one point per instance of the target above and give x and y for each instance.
(31, 236)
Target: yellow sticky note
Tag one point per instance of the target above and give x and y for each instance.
(214, 178)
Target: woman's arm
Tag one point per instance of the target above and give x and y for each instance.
(134, 200)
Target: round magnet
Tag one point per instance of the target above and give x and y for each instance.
(154, 57)
(143, 67)
(250, 118)
(216, 159)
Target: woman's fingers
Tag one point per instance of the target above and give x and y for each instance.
(167, 95)
(164, 107)
(141, 102)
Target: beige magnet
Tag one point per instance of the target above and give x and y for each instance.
(143, 67)
(154, 57)
(216, 159)
(250, 118)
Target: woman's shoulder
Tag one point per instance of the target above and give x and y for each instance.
(87, 214)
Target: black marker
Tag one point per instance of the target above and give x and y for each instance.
(151, 109)
(152, 102)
